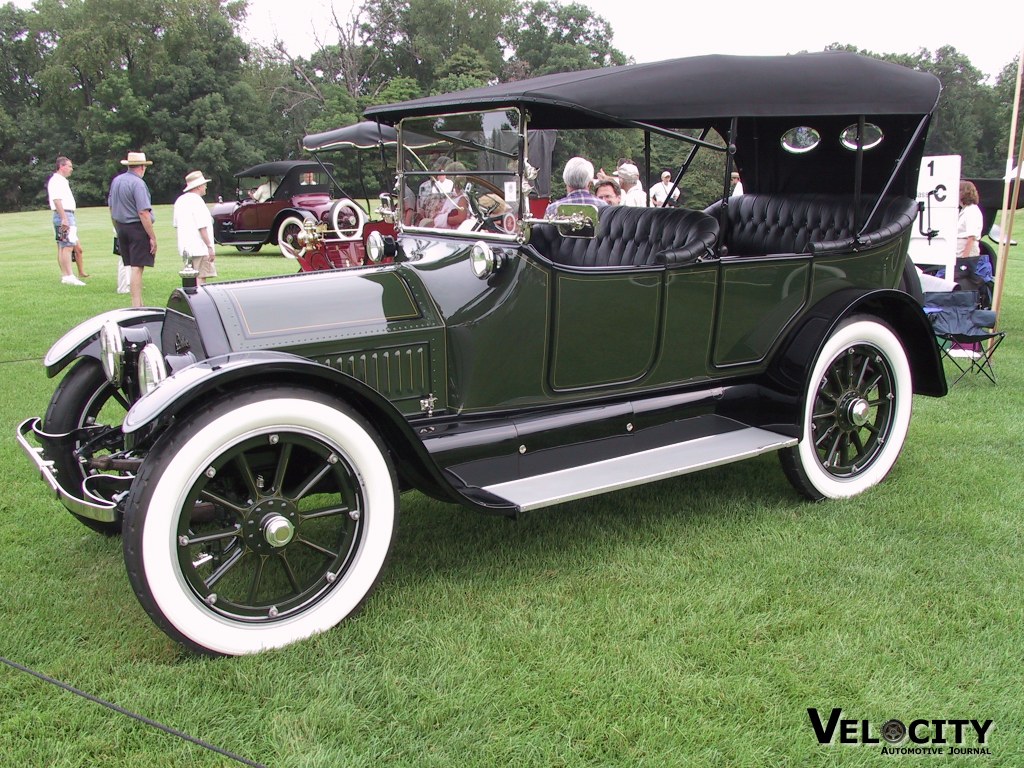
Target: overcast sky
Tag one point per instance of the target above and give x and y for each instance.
(650, 31)
(990, 35)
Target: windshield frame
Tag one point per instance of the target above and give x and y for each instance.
(410, 179)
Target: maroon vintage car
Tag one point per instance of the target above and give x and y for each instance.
(281, 202)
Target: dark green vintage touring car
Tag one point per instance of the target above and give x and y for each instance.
(251, 439)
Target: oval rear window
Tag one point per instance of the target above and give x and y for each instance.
(800, 139)
(871, 139)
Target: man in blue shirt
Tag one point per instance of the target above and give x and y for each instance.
(578, 175)
(131, 208)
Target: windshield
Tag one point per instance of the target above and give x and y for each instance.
(472, 179)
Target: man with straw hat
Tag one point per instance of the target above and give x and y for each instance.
(194, 223)
(131, 208)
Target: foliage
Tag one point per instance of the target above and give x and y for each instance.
(972, 119)
(113, 76)
(561, 38)
(93, 79)
(418, 38)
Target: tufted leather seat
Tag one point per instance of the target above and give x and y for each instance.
(633, 237)
(762, 224)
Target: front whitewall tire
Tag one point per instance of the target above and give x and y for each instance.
(181, 460)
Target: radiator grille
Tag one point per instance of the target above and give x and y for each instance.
(395, 372)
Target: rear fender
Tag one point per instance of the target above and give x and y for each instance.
(215, 376)
(787, 377)
(83, 339)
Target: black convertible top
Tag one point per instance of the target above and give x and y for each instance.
(679, 92)
(364, 135)
(281, 168)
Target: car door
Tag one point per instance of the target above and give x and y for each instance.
(758, 298)
(604, 327)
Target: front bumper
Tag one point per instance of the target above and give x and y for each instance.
(92, 506)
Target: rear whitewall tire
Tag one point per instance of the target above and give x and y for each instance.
(862, 368)
(290, 226)
(163, 580)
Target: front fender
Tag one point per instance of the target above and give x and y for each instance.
(199, 382)
(179, 391)
(83, 339)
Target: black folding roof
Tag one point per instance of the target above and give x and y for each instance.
(280, 168)
(364, 135)
(681, 92)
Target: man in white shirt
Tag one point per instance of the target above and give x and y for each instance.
(660, 191)
(737, 185)
(264, 191)
(194, 223)
(632, 192)
(62, 203)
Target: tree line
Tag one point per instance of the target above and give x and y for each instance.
(93, 79)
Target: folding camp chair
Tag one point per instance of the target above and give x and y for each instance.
(965, 333)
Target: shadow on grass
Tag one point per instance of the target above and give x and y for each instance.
(434, 537)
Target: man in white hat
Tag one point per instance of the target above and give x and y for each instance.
(632, 191)
(131, 208)
(194, 223)
(660, 192)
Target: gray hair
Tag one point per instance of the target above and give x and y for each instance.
(578, 173)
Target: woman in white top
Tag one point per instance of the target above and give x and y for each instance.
(968, 223)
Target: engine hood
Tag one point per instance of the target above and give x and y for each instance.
(320, 309)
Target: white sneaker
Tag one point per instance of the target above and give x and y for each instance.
(71, 280)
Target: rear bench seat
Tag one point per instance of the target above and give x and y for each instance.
(637, 237)
(762, 224)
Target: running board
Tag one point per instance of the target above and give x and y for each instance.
(638, 468)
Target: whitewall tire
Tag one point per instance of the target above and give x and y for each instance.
(288, 232)
(261, 520)
(856, 412)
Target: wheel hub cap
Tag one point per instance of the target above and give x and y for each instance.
(857, 411)
(278, 530)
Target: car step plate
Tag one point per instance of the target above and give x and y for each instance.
(638, 468)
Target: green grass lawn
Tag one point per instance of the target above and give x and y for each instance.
(690, 622)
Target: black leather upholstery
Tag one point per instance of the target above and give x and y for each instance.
(762, 224)
(633, 237)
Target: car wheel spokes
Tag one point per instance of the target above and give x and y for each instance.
(853, 411)
(255, 550)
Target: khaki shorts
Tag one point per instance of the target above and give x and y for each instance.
(205, 267)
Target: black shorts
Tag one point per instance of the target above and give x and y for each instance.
(133, 242)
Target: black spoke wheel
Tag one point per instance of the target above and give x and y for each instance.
(264, 519)
(90, 410)
(852, 413)
(856, 412)
(273, 521)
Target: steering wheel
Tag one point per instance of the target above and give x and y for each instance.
(346, 211)
(499, 217)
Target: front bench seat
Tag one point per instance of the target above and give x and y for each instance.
(633, 237)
